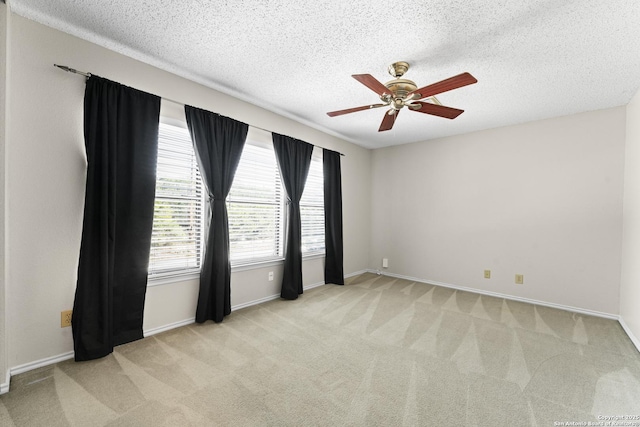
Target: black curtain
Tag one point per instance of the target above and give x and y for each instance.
(294, 159)
(121, 141)
(218, 143)
(333, 269)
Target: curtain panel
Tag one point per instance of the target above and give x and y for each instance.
(294, 160)
(333, 268)
(218, 142)
(121, 141)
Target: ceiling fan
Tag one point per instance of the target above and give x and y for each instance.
(401, 93)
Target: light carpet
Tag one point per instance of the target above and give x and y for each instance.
(378, 351)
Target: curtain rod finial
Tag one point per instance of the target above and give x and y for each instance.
(71, 70)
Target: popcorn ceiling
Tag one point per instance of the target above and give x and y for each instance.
(533, 59)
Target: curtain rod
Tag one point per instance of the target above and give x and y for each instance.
(87, 75)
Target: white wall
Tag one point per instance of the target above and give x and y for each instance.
(46, 177)
(3, 62)
(542, 199)
(630, 283)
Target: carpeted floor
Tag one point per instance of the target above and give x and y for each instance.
(377, 352)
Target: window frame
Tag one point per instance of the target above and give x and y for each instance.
(257, 137)
(262, 139)
(170, 276)
(316, 160)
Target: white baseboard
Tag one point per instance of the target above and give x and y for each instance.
(314, 285)
(504, 296)
(254, 302)
(632, 337)
(40, 363)
(271, 297)
(630, 334)
(4, 387)
(153, 331)
(356, 273)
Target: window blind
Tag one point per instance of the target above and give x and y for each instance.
(176, 241)
(312, 209)
(255, 206)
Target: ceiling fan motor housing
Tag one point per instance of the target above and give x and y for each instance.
(400, 87)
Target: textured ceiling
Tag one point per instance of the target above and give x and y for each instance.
(533, 59)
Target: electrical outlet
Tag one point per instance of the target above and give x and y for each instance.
(519, 279)
(487, 274)
(385, 262)
(271, 276)
(65, 318)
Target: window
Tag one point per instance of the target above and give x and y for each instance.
(312, 209)
(255, 203)
(255, 206)
(176, 241)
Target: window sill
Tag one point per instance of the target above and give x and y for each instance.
(271, 262)
(256, 264)
(314, 255)
(172, 278)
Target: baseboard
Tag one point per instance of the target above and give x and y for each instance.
(40, 363)
(314, 285)
(271, 297)
(504, 296)
(627, 329)
(153, 331)
(4, 387)
(159, 329)
(254, 302)
(346, 276)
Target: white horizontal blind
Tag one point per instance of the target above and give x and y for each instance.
(312, 209)
(255, 206)
(176, 242)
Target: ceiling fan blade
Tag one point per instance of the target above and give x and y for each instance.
(388, 120)
(353, 110)
(437, 110)
(369, 81)
(451, 83)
